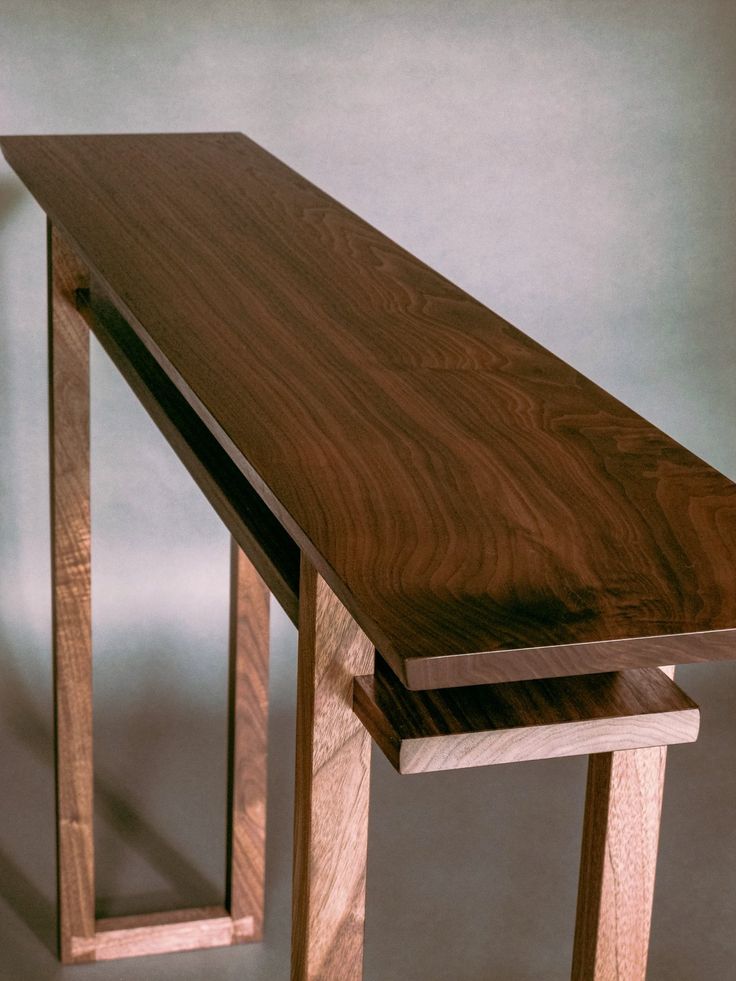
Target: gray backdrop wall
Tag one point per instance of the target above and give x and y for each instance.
(572, 164)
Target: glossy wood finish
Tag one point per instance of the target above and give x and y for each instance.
(618, 864)
(567, 659)
(82, 937)
(333, 755)
(164, 933)
(466, 494)
(70, 589)
(248, 726)
(271, 550)
(482, 725)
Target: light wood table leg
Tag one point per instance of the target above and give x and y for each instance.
(240, 918)
(618, 864)
(332, 786)
(70, 570)
(248, 710)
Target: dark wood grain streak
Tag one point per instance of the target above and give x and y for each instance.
(70, 591)
(463, 491)
(506, 723)
(254, 527)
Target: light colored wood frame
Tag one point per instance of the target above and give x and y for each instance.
(619, 858)
(248, 723)
(618, 863)
(82, 937)
(68, 342)
(333, 758)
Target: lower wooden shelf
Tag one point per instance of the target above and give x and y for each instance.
(480, 725)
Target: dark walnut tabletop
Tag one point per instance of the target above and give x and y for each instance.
(483, 510)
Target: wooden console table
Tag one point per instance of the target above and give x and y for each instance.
(407, 473)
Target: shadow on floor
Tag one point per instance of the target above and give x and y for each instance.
(28, 724)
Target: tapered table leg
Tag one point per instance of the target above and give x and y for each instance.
(618, 864)
(70, 568)
(81, 936)
(249, 645)
(332, 785)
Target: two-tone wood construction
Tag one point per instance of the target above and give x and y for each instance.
(406, 472)
(482, 725)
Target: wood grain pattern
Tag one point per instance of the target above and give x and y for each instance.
(567, 659)
(620, 840)
(618, 864)
(526, 720)
(248, 725)
(81, 937)
(162, 933)
(269, 547)
(333, 753)
(70, 589)
(465, 493)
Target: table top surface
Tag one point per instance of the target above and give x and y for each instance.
(482, 509)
